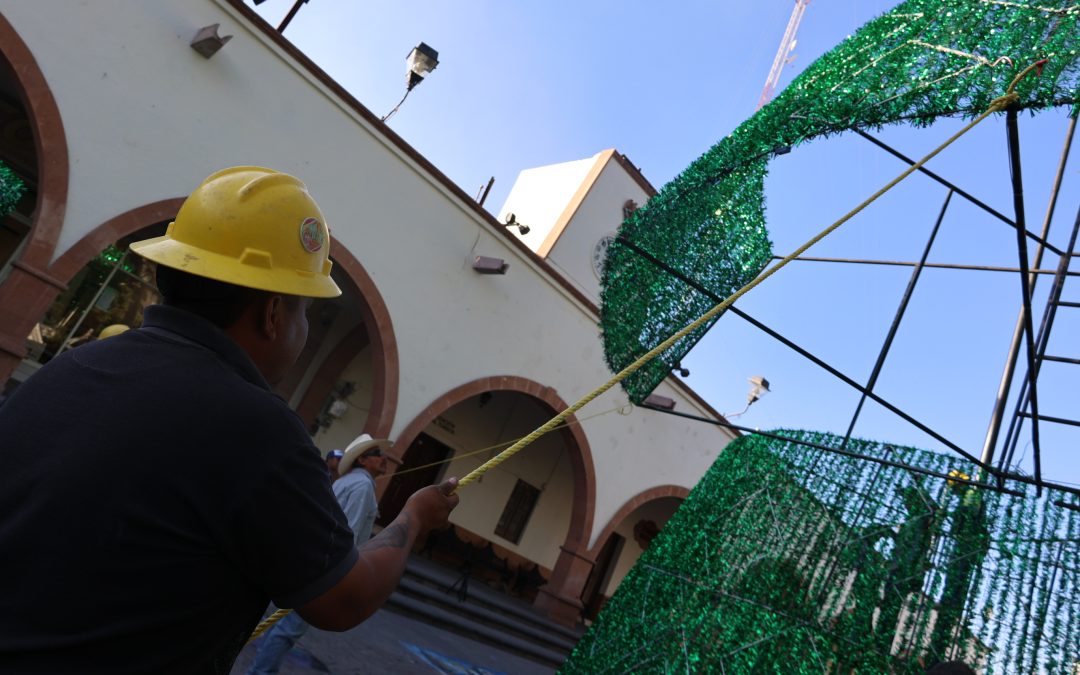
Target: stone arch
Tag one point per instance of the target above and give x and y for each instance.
(30, 279)
(580, 456)
(653, 493)
(559, 597)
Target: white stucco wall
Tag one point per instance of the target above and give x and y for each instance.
(659, 512)
(540, 195)
(544, 465)
(599, 214)
(147, 118)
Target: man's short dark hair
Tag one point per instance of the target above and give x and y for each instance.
(218, 302)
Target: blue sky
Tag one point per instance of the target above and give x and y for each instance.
(521, 85)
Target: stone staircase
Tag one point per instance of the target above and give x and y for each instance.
(427, 591)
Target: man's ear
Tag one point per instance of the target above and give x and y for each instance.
(269, 315)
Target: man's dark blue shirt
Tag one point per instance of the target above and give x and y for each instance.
(154, 496)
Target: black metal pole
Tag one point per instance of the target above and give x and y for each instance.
(289, 17)
(1012, 436)
(1055, 420)
(962, 193)
(897, 318)
(1013, 134)
(928, 265)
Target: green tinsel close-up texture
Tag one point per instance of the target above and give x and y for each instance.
(922, 60)
(789, 557)
(11, 189)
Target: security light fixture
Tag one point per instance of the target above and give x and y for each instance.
(511, 221)
(207, 41)
(485, 265)
(759, 386)
(683, 372)
(421, 61)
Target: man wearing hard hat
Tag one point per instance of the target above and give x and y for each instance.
(155, 494)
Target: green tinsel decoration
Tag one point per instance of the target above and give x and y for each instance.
(922, 60)
(12, 189)
(790, 558)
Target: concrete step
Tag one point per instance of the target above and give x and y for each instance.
(458, 623)
(443, 579)
(427, 592)
(495, 619)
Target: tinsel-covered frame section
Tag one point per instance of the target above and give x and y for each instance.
(790, 558)
(11, 189)
(923, 60)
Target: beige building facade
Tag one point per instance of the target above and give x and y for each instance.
(111, 118)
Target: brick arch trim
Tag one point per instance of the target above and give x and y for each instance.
(50, 144)
(584, 475)
(117, 227)
(378, 330)
(379, 335)
(654, 493)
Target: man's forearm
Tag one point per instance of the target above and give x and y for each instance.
(380, 562)
(371, 580)
(397, 535)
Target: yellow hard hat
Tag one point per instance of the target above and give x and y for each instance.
(252, 227)
(114, 329)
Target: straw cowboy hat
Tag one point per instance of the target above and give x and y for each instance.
(363, 446)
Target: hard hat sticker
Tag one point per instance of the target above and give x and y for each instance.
(311, 235)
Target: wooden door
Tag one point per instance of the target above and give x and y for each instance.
(405, 481)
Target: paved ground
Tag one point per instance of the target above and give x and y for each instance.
(396, 645)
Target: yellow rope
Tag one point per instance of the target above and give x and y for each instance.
(996, 105)
(489, 448)
(267, 622)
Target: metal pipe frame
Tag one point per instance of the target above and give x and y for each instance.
(897, 318)
(930, 265)
(1013, 435)
(1024, 327)
(1055, 420)
(848, 453)
(962, 193)
(1049, 314)
(801, 351)
(1061, 359)
(996, 486)
(1013, 135)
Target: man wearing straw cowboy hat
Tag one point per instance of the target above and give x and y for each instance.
(362, 462)
(112, 563)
